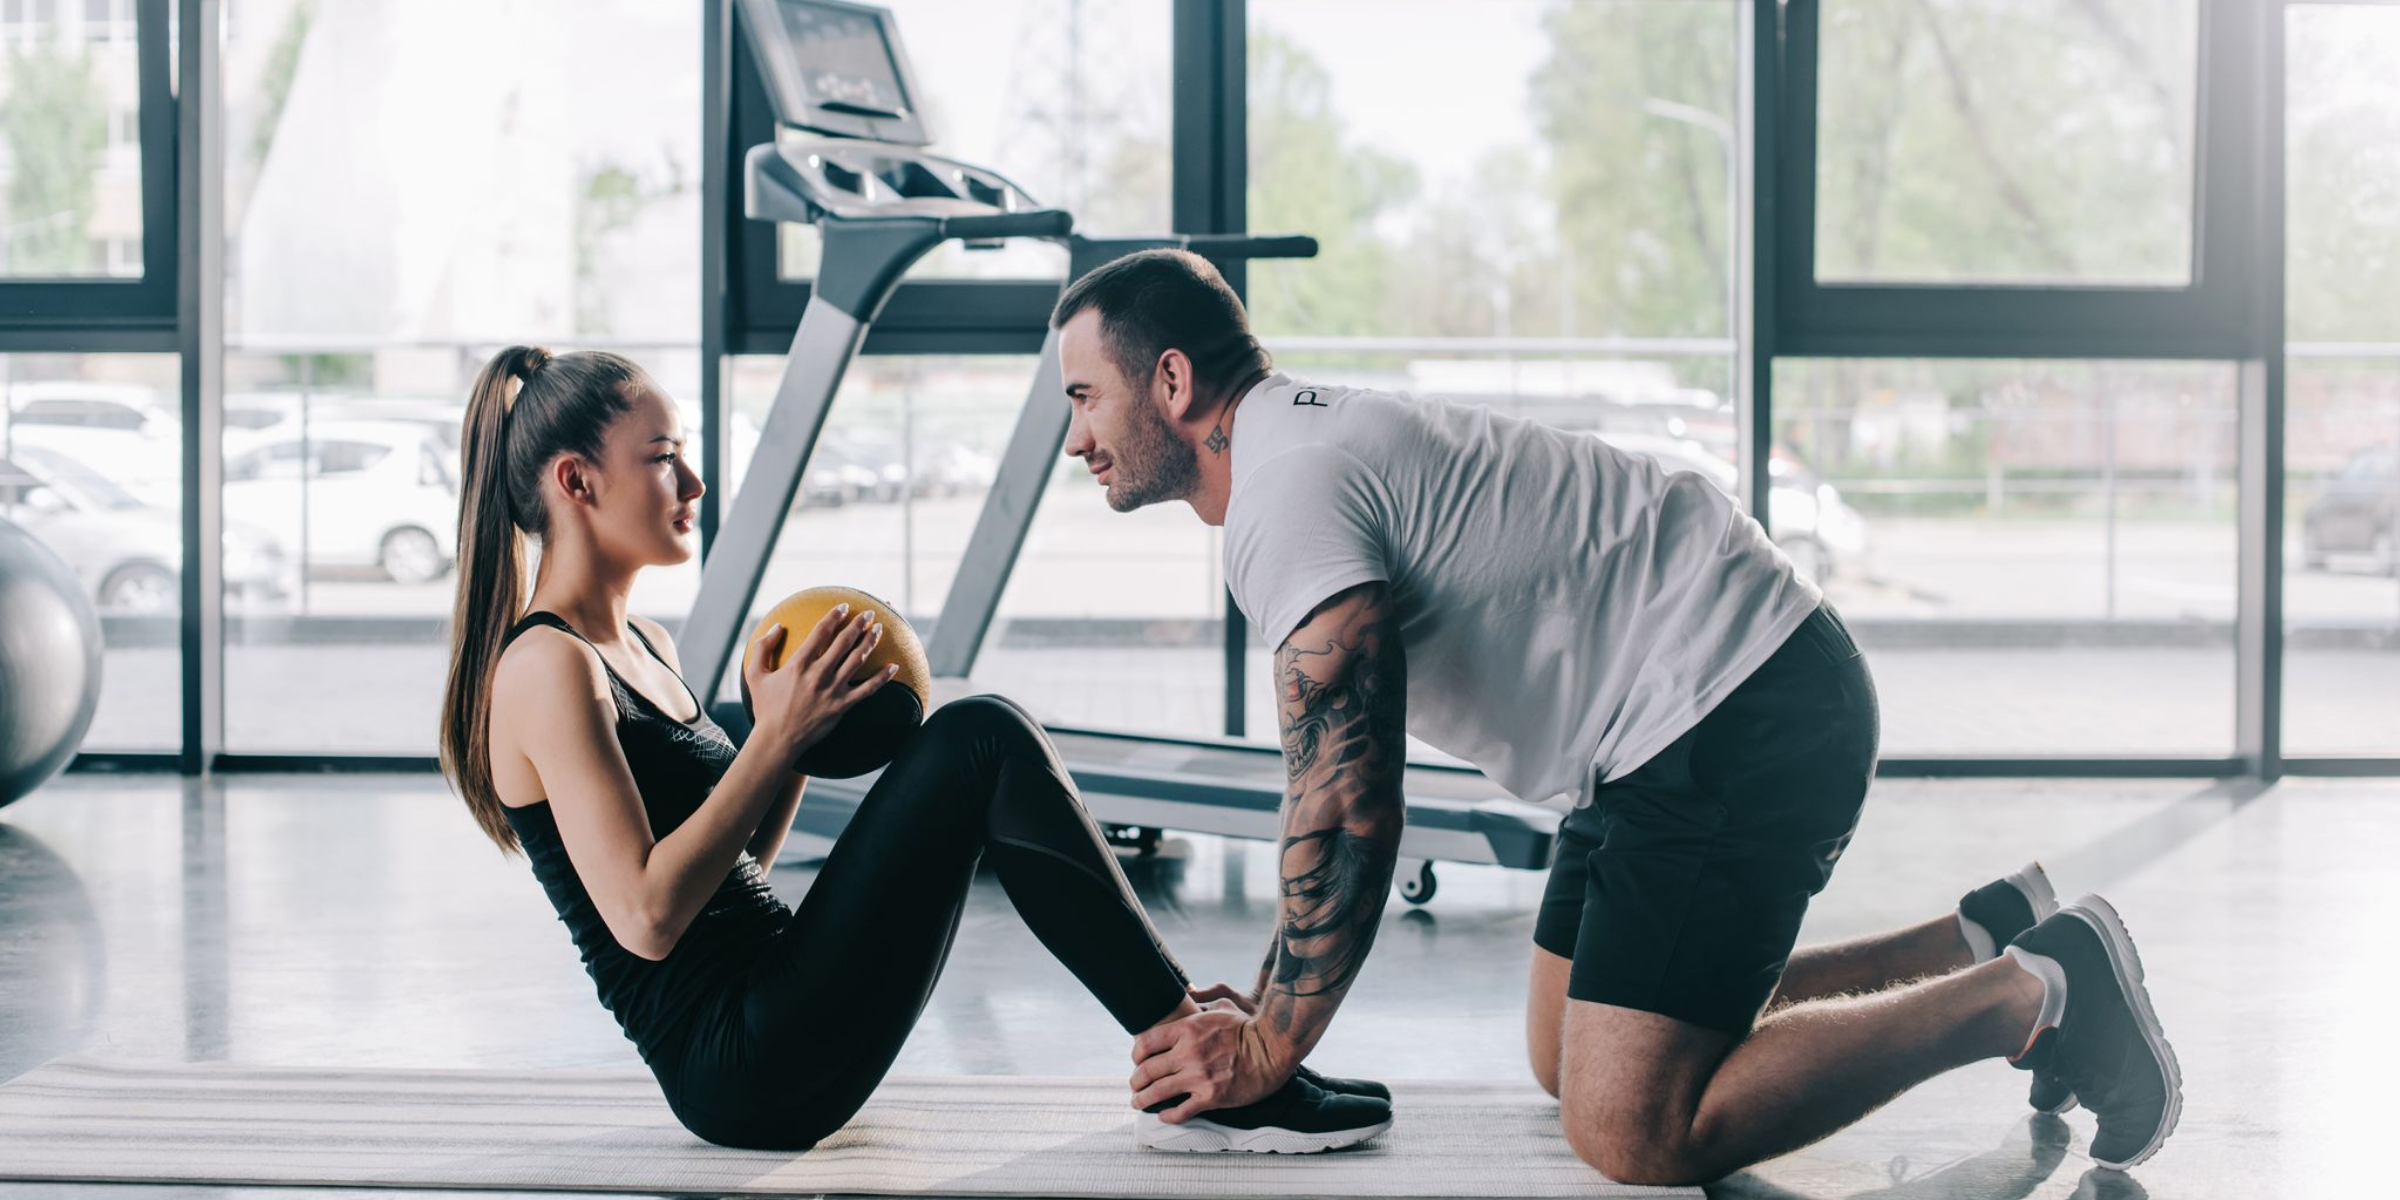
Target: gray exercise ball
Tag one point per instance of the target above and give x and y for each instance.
(49, 663)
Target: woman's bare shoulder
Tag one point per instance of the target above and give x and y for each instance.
(657, 634)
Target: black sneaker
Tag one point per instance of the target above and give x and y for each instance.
(2104, 1041)
(1989, 918)
(1300, 1118)
(1347, 1087)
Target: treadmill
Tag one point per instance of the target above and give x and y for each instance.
(850, 157)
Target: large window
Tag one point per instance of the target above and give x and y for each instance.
(2342, 412)
(1494, 168)
(2006, 141)
(2040, 555)
(412, 184)
(88, 467)
(70, 162)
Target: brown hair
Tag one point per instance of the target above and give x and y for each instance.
(528, 407)
(1153, 301)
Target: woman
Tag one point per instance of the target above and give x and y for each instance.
(581, 747)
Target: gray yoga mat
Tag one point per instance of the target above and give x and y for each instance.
(224, 1123)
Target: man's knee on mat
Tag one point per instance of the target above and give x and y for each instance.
(1629, 1093)
(1545, 1013)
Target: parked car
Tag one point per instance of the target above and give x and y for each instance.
(122, 426)
(128, 552)
(378, 494)
(1808, 519)
(848, 469)
(950, 469)
(2357, 513)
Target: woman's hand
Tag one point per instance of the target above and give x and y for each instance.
(796, 703)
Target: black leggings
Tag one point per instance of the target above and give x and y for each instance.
(804, 1037)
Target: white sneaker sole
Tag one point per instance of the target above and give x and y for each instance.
(2127, 965)
(1203, 1136)
(2034, 883)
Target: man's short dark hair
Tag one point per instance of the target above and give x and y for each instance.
(1153, 301)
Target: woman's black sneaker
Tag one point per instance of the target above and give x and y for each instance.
(1989, 918)
(1300, 1118)
(2105, 1041)
(1347, 1087)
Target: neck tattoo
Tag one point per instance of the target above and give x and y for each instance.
(1217, 441)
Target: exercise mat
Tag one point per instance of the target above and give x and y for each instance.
(961, 1135)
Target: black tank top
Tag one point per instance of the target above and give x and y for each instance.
(675, 766)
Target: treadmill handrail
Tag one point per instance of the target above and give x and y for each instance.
(1252, 245)
(1037, 223)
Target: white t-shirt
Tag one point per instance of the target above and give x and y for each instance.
(1564, 606)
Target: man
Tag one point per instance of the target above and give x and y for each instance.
(1592, 631)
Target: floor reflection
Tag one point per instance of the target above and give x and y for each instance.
(53, 957)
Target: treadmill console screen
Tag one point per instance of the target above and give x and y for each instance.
(835, 68)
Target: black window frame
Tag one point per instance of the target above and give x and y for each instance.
(2208, 318)
(110, 315)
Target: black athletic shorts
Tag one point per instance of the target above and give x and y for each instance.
(1679, 889)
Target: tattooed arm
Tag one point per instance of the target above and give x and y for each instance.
(1341, 686)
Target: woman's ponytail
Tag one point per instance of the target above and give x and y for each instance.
(527, 407)
(491, 585)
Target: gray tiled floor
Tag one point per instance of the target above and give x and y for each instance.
(360, 920)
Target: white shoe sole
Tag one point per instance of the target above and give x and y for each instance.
(2034, 883)
(1203, 1136)
(2127, 965)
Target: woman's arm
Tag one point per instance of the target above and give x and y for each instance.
(647, 890)
(768, 841)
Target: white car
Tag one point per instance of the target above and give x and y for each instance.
(129, 554)
(124, 428)
(378, 494)
(1811, 523)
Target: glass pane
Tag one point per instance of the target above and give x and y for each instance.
(1113, 620)
(2042, 554)
(108, 501)
(2341, 681)
(1072, 103)
(71, 171)
(389, 179)
(2341, 587)
(367, 284)
(2006, 141)
(889, 499)
(1494, 168)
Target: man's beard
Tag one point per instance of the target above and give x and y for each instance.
(1151, 464)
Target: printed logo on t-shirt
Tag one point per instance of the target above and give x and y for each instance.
(1307, 398)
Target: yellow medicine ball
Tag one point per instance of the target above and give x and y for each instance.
(873, 733)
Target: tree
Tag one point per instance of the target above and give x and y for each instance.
(608, 202)
(57, 126)
(1306, 176)
(1640, 196)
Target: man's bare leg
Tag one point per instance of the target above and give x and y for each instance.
(1874, 962)
(1867, 964)
(1649, 1099)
